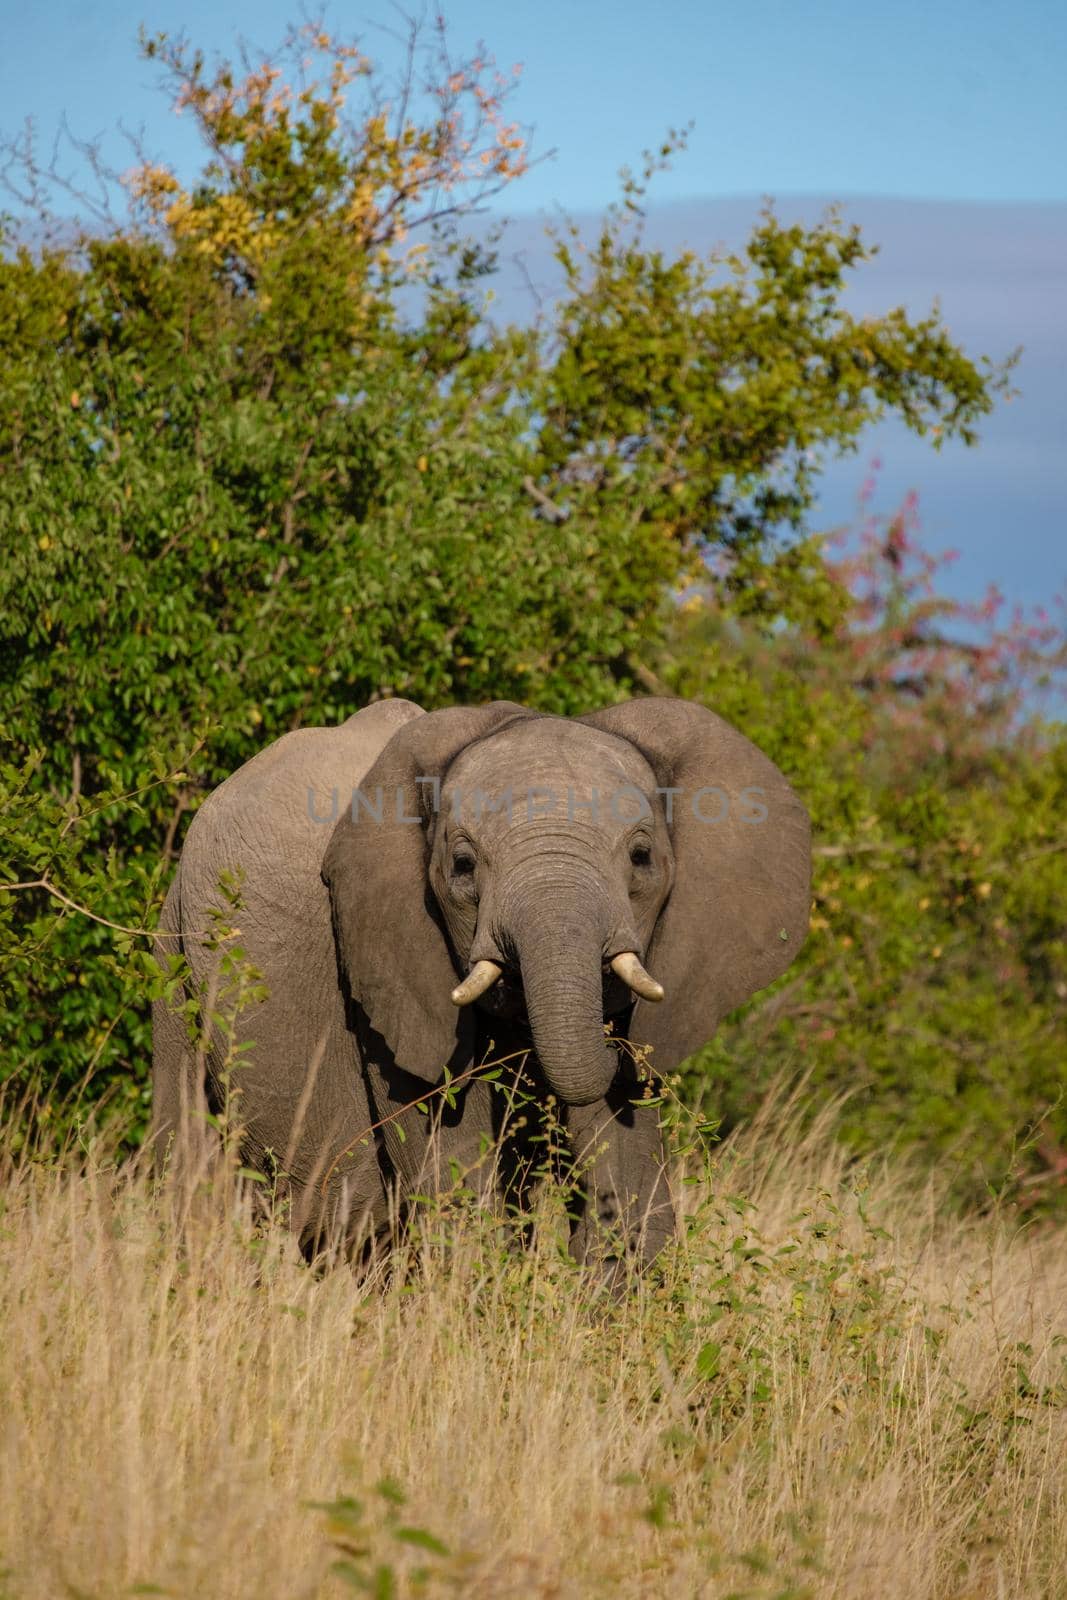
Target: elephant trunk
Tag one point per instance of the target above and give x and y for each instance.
(560, 959)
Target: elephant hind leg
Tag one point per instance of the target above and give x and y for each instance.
(182, 1141)
(184, 1144)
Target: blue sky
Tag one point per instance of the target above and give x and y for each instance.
(946, 99)
(955, 107)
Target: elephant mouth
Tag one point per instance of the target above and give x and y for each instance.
(506, 1000)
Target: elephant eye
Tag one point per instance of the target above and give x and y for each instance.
(463, 866)
(641, 855)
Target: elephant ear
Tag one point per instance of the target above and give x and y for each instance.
(391, 942)
(738, 910)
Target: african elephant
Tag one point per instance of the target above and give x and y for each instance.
(429, 890)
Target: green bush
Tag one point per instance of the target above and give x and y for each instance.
(932, 992)
(263, 459)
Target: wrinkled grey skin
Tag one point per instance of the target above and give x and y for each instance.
(362, 929)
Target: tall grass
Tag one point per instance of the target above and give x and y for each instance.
(834, 1389)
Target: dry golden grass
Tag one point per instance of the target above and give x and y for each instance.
(834, 1392)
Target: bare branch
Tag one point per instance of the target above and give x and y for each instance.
(644, 675)
(57, 894)
(553, 512)
(871, 847)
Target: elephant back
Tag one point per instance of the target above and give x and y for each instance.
(265, 831)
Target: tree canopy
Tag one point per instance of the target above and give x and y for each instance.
(265, 457)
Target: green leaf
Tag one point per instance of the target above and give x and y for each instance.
(424, 1540)
(707, 1361)
(352, 1576)
(390, 1490)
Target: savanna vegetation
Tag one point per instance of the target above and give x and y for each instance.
(838, 1387)
(265, 455)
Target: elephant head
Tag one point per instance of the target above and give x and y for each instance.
(500, 860)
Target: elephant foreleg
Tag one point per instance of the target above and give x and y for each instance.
(433, 1147)
(625, 1215)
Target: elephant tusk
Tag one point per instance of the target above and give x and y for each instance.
(481, 977)
(632, 973)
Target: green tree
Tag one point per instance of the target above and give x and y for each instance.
(263, 458)
(932, 992)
